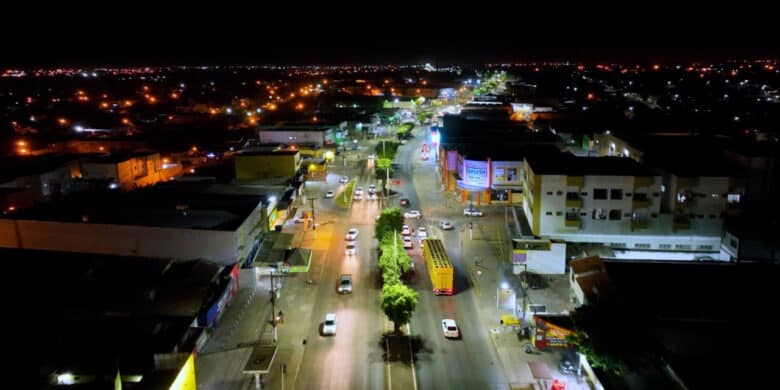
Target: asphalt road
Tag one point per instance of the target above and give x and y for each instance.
(354, 357)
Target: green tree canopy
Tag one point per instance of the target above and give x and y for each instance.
(398, 303)
(390, 219)
(614, 336)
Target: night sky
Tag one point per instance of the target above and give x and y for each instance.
(377, 33)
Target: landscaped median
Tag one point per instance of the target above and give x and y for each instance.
(348, 193)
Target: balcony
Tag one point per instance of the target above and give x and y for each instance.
(641, 181)
(573, 222)
(640, 203)
(681, 223)
(639, 224)
(575, 181)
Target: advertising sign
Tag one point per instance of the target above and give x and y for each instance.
(475, 173)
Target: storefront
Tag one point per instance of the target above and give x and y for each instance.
(474, 186)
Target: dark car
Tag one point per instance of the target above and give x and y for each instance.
(567, 367)
(405, 202)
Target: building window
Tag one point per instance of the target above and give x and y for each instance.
(599, 193)
(733, 243)
(558, 213)
(682, 246)
(664, 246)
(599, 214)
(640, 196)
(712, 216)
(584, 214)
(549, 193)
(733, 198)
(616, 194)
(653, 215)
(614, 215)
(642, 246)
(655, 194)
(628, 194)
(705, 247)
(511, 174)
(548, 213)
(559, 193)
(583, 193)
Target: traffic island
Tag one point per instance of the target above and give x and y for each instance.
(344, 198)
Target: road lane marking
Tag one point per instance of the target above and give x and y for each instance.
(411, 354)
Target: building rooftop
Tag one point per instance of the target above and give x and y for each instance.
(299, 127)
(570, 165)
(88, 312)
(267, 152)
(173, 205)
(115, 158)
(13, 167)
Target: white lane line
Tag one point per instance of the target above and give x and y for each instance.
(389, 378)
(411, 354)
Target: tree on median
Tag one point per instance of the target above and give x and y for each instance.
(393, 253)
(390, 220)
(398, 303)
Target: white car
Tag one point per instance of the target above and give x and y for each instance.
(344, 179)
(422, 233)
(371, 189)
(329, 194)
(371, 156)
(359, 190)
(345, 284)
(352, 234)
(358, 196)
(329, 326)
(405, 231)
(472, 213)
(450, 328)
(446, 225)
(351, 248)
(408, 244)
(412, 214)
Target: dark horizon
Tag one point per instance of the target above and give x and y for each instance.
(359, 36)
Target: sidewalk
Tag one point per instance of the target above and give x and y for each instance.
(508, 344)
(488, 276)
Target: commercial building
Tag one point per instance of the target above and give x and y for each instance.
(179, 221)
(90, 319)
(482, 160)
(265, 163)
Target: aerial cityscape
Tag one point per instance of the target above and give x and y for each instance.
(423, 213)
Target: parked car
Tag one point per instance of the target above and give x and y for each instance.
(345, 284)
(408, 244)
(566, 366)
(472, 212)
(446, 225)
(450, 328)
(412, 214)
(329, 325)
(351, 248)
(405, 231)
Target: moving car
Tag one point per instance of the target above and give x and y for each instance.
(450, 328)
(351, 248)
(422, 233)
(412, 214)
(352, 234)
(446, 225)
(329, 326)
(472, 212)
(371, 189)
(405, 202)
(408, 243)
(345, 284)
(329, 194)
(344, 179)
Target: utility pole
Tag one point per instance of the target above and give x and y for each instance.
(273, 305)
(313, 219)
